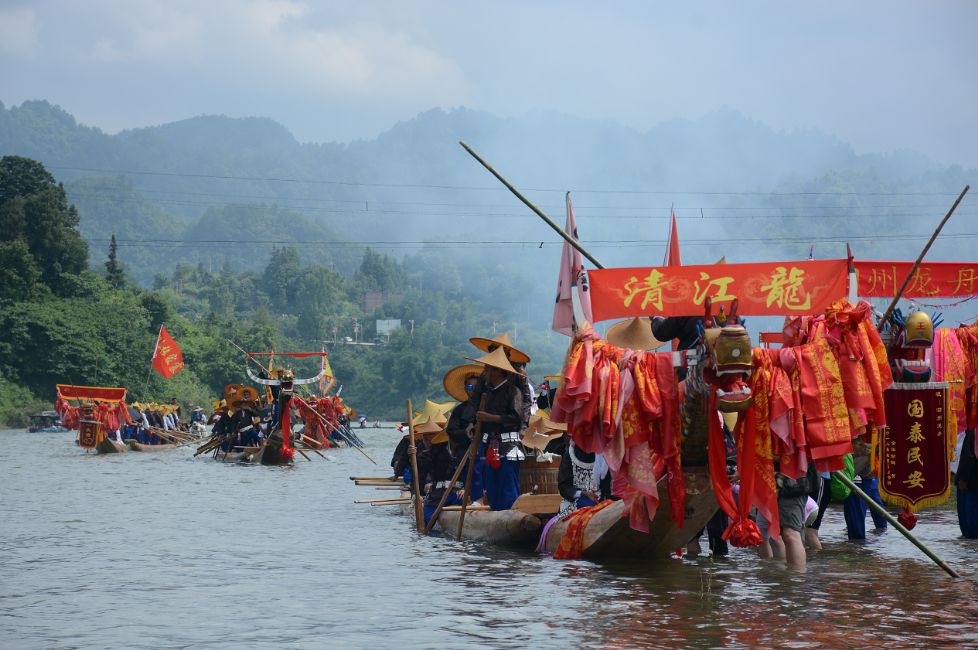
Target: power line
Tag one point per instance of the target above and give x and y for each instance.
(510, 215)
(349, 183)
(238, 198)
(208, 243)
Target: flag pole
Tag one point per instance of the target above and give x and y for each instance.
(155, 348)
(550, 222)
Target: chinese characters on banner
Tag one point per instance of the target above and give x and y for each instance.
(167, 357)
(930, 280)
(771, 288)
(913, 462)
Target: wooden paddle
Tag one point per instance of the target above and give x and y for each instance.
(448, 490)
(473, 455)
(412, 454)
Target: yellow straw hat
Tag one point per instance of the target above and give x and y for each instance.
(634, 334)
(454, 381)
(541, 432)
(497, 359)
(428, 426)
(512, 353)
(432, 411)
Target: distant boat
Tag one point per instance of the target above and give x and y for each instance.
(46, 422)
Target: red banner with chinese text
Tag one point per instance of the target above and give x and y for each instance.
(91, 393)
(880, 279)
(769, 288)
(168, 357)
(913, 458)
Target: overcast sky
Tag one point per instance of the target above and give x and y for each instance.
(880, 75)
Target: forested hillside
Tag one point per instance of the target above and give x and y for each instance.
(230, 228)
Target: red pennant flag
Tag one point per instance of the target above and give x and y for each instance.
(167, 357)
(672, 246)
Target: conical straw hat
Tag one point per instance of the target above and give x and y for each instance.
(497, 359)
(541, 431)
(454, 381)
(433, 411)
(634, 334)
(428, 426)
(515, 355)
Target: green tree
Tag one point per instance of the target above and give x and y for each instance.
(281, 277)
(34, 207)
(19, 275)
(114, 272)
(23, 177)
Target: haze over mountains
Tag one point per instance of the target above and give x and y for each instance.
(215, 189)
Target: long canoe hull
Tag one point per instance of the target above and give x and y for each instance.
(110, 446)
(138, 446)
(609, 536)
(501, 527)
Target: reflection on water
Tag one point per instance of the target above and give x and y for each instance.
(165, 550)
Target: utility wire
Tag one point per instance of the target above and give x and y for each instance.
(273, 179)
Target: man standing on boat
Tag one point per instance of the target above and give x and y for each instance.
(461, 382)
(502, 419)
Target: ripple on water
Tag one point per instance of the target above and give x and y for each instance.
(168, 550)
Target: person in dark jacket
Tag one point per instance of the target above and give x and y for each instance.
(502, 419)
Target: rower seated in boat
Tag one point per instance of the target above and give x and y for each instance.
(436, 466)
(584, 479)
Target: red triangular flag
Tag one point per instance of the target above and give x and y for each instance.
(167, 357)
(672, 246)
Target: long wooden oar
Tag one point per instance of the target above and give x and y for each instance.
(415, 479)
(448, 491)
(920, 258)
(550, 222)
(880, 510)
(473, 455)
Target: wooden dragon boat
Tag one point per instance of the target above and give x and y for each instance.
(609, 536)
(499, 527)
(109, 446)
(138, 446)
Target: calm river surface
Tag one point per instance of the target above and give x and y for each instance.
(170, 551)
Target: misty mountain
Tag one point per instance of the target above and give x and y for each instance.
(734, 182)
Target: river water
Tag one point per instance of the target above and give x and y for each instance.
(166, 550)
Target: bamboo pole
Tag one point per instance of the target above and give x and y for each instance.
(550, 222)
(448, 491)
(473, 455)
(397, 500)
(920, 258)
(415, 479)
(880, 510)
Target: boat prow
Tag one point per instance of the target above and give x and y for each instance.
(609, 536)
(110, 446)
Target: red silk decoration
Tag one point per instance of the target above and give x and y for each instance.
(571, 545)
(288, 452)
(742, 531)
(907, 519)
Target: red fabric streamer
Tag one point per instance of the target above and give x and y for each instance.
(571, 545)
(288, 452)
